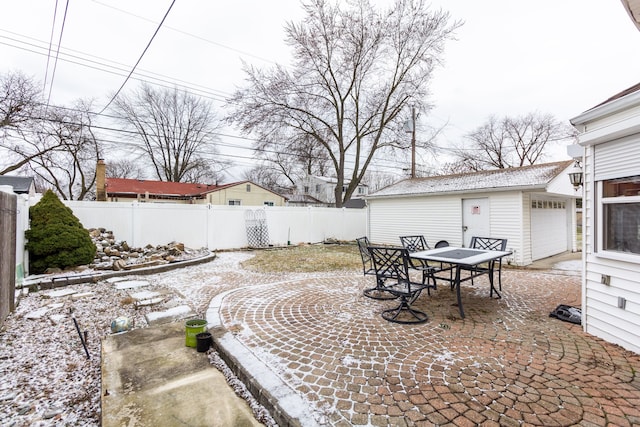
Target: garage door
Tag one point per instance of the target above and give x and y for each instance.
(549, 230)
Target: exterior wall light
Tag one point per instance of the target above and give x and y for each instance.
(575, 175)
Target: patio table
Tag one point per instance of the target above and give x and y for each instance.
(464, 257)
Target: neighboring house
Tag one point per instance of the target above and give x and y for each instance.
(533, 207)
(303, 200)
(323, 189)
(244, 193)
(20, 184)
(610, 137)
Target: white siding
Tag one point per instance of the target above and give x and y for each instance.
(608, 132)
(506, 221)
(437, 218)
(440, 218)
(602, 317)
(525, 254)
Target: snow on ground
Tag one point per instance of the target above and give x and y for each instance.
(46, 378)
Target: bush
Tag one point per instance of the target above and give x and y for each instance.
(56, 238)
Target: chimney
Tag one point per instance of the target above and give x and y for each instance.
(101, 181)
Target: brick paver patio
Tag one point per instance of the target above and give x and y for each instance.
(506, 363)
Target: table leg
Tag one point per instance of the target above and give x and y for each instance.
(493, 288)
(457, 282)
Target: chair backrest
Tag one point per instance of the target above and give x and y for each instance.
(390, 262)
(441, 244)
(488, 243)
(414, 243)
(367, 263)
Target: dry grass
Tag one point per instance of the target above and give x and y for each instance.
(306, 259)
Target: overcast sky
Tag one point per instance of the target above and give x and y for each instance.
(510, 57)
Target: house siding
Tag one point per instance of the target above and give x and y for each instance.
(612, 149)
(257, 196)
(603, 318)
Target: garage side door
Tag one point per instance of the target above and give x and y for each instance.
(549, 230)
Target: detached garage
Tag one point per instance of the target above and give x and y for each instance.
(533, 207)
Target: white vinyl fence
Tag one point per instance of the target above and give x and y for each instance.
(218, 227)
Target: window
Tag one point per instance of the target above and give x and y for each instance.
(317, 188)
(620, 215)
(306, 189)
(360, 190)
(268, 203)
(235, 202)
(248, 188)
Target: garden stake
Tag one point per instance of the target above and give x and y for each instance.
(83, 339)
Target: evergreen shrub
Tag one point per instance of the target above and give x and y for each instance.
(56, 238)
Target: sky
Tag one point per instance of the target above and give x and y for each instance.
(509, 58)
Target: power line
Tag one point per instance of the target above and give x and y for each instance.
(140, 58)
(53, 26)
(55, 63)
(187, 33)
(106, 65)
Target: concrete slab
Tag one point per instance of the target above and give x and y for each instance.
(131, 284)
(60, 293)
(170, 315)
(149, 377)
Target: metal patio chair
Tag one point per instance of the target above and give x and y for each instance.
(379, 291)
(488, 244)
(418, 243)
(392, 266)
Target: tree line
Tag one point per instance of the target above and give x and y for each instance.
(357, 71)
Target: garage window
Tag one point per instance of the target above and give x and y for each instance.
(621, 215)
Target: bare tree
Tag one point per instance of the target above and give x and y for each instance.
(176, 132)
(125, 168)
(21, 115)
(510, 142)
(70, 168)
(286, 162)
(378, 180)
(268, 176)
(355, 70)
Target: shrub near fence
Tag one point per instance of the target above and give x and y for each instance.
(218, 227)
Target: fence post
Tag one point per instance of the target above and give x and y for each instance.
(8, 212)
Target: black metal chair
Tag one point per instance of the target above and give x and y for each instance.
(416, 244)
(441, 244)
(392, 266)
(444, 266)
(488, 244)
(379, 291)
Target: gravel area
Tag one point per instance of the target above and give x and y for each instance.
(46, 378)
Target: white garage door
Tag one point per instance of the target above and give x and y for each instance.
(549, 230)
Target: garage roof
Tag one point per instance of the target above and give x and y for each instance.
(526, 177)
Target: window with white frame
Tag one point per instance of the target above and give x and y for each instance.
(235, 202)
(620, 214)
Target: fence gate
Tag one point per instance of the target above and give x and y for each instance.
(257, 231)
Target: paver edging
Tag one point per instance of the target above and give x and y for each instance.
(285, 406)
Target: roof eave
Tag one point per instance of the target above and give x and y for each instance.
(628, 101)
(456, 192)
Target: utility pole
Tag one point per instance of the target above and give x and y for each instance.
(413, 142)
